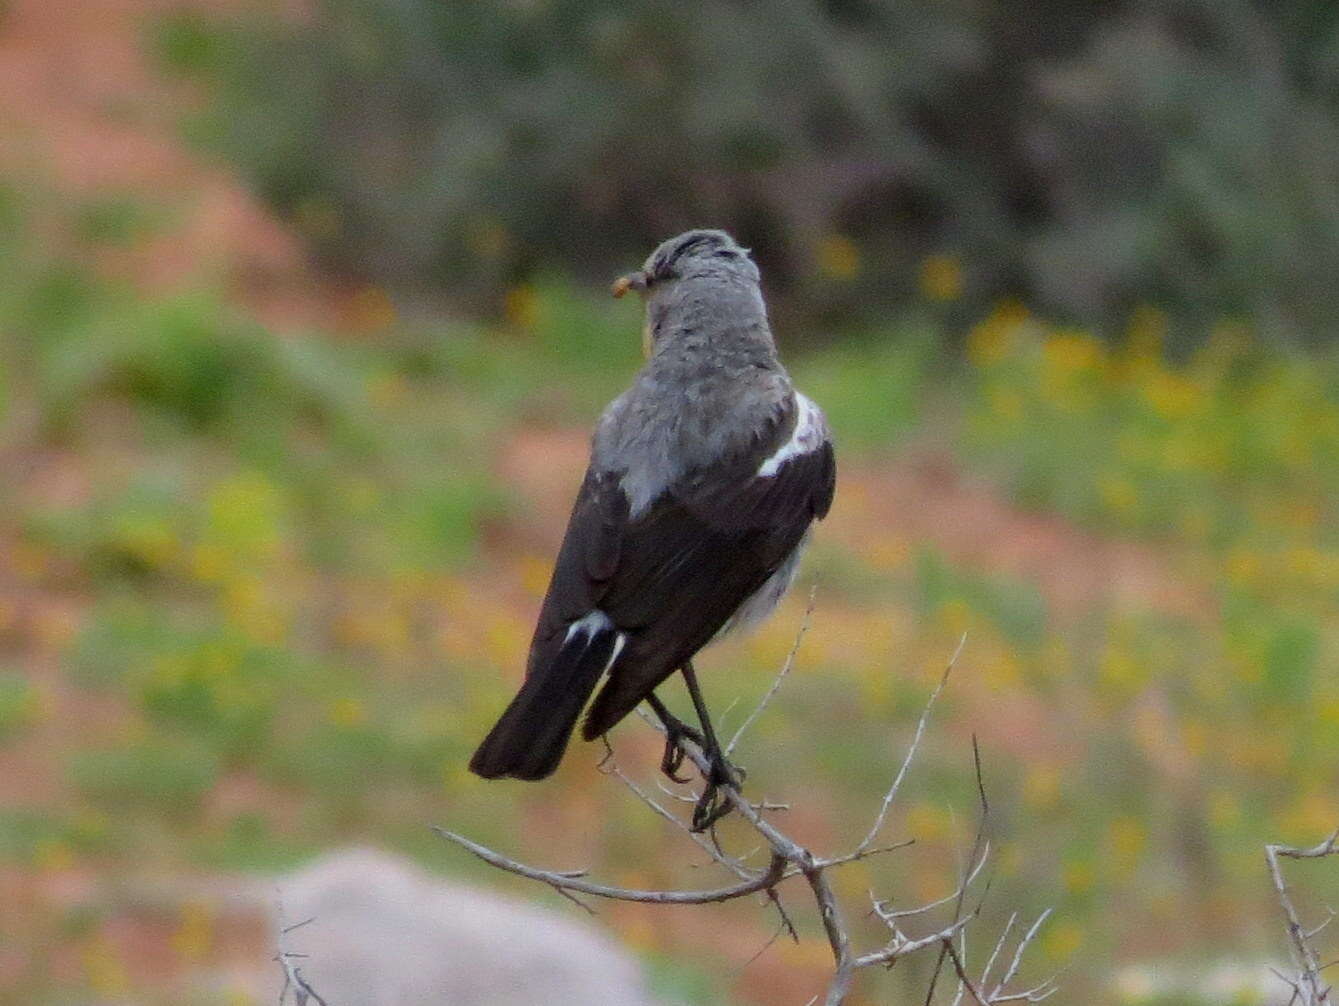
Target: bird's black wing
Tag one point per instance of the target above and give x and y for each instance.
(587, 561)
(688, 563)
(567, 655)
(635, 597)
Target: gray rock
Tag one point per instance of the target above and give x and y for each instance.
(387, 934)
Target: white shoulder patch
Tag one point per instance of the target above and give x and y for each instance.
(809, 433)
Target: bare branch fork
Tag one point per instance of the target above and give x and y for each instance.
(1308, 987)
(788, 858)
(303, 993)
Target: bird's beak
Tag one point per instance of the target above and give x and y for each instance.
(632, 281)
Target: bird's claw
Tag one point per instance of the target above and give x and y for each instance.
(711, 806)
(672, 760)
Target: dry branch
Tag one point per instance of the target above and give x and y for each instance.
(1308, 987)
(790, 859)
(287, 959)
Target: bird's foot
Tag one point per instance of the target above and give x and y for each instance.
(712, 805)
(675, 730)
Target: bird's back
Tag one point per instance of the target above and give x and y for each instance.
(704, 478)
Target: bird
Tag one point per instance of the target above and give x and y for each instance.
(704, 480)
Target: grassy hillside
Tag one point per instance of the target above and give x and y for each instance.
(261, 592)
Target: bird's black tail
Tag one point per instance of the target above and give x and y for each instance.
(530, 738)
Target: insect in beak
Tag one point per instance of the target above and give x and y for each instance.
(632, 281)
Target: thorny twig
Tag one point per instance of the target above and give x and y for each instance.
(790, 859)
(293, 979)
(780, 677)
(1308, 988)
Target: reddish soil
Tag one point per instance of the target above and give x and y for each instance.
(921, 498)
(82, 113)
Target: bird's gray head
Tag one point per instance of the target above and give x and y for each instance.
(698, 254)
(701, 288)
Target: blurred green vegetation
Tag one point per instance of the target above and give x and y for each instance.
(1084, 159)
(268, 589)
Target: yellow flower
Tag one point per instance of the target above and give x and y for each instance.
(888, 553)
(955, 616)
(1062, 941)
(1195, 522)
(28, 561)
(150, 541)
(1224, 809)
(346, 713)
(244, 514)
(505, 640)
(521, 306)
(1128, 838)
(838, 257)
(103, 967)
(1195, 736)
(941, 278)
(195, 933)
(1313, 814)
(1170, 395)
(1327, 711)
(360, 495)
(928, 822)
(534, 574)
(994, 337)
(1118, 494)
(386, 390)
(1009, 859)
(1072, 351)
(1243, 568)
(53, 855)
(1006, 404)
(1041, 786)
(1120, 669)
(876, 689)
(807, 954)
(1004, 672)
(208, 563)
(638, 932)
(1079, 877)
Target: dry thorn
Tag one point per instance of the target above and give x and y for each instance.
(293, 979)
(789, 859)
(781, 674)
(1308, 986)
(891, 794)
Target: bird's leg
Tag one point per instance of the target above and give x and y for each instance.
(675, 729)
(710, 807)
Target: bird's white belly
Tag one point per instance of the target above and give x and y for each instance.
(762, 601)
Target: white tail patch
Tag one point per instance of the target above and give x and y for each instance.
(590, 623)
(809, 433)
(619, 641)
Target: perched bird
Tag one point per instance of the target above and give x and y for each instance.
(703, 481)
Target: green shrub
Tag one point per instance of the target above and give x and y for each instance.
(1083, 158)
(118, 637)
(165, 775)
(20, 705)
